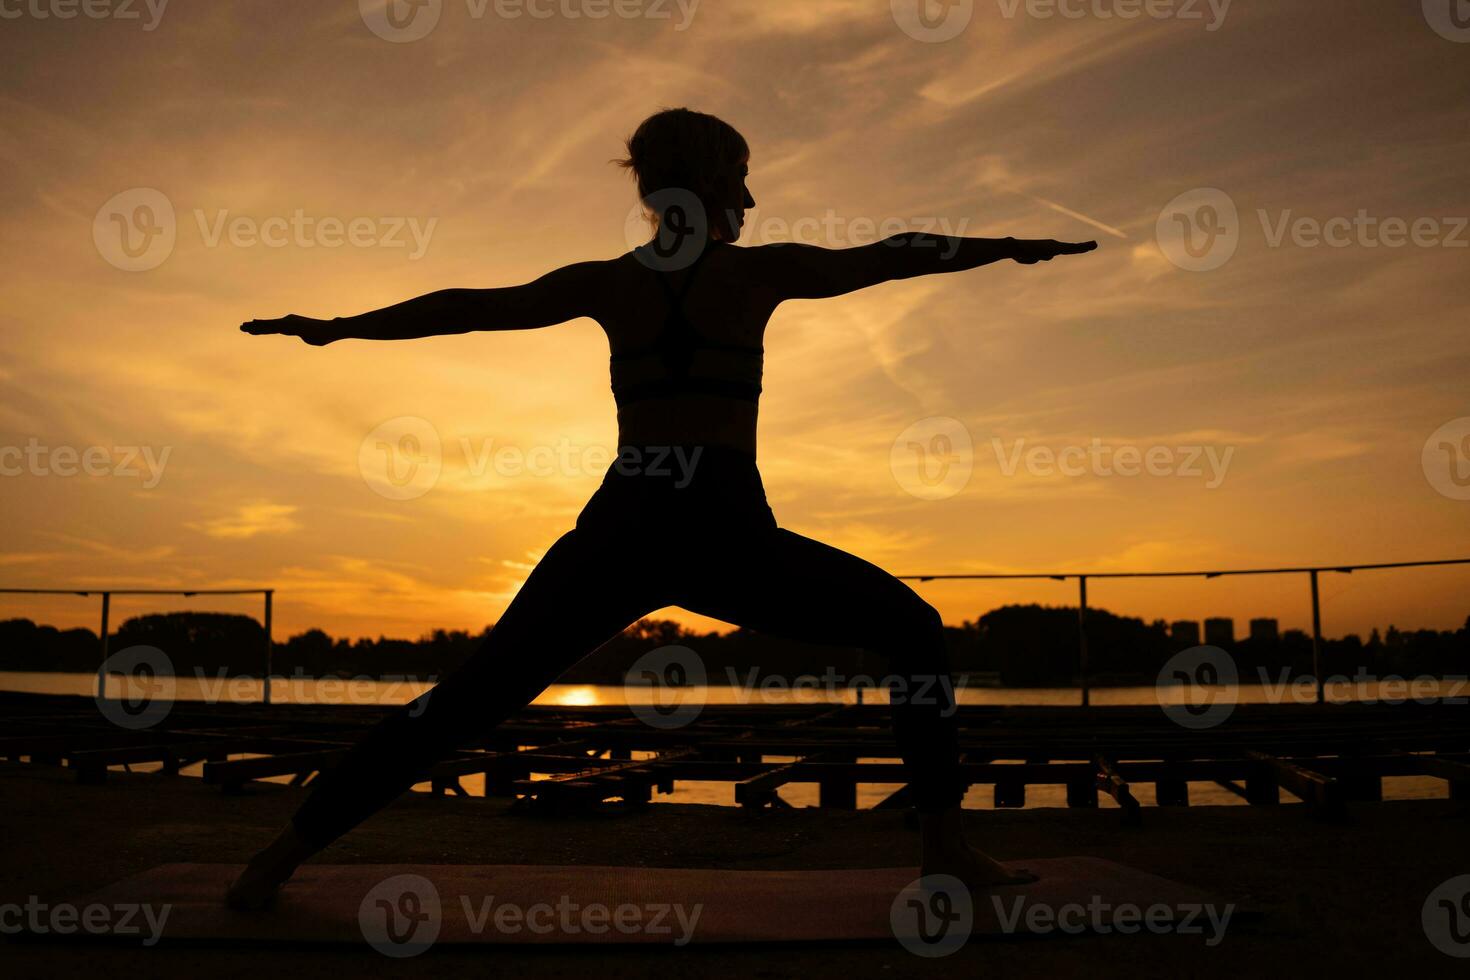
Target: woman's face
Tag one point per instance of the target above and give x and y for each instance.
(728, 200)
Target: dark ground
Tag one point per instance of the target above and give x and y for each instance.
(1336, 900)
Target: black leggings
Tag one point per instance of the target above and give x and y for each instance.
(691, 530)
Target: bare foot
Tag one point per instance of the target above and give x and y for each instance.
(976, 869)
(257, 885)
(255, 888)
(947, 852)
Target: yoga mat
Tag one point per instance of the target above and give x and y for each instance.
(404, 909)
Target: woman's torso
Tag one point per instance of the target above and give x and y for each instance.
(727, 311)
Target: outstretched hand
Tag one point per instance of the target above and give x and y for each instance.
(1032, 251)
(315, 332)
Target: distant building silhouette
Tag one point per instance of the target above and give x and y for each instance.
(1185, 632)
(1265, 631)
(1220, 631)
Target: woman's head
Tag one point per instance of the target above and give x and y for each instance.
(683, 150)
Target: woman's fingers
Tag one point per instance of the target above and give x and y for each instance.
(1044, 250)
(259, 327)
(290, 326)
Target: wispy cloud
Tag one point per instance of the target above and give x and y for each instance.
(250, 520)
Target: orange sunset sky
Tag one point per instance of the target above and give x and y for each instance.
(1331, 375)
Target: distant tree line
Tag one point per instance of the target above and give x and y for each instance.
(1015, 646)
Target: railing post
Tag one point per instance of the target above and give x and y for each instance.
(1317, 638)
(269, 593)
(1082, 635)
(102, 667)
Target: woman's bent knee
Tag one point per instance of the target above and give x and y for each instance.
(914, 626)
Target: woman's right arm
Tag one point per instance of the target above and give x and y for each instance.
(799, 271)
(565, 294)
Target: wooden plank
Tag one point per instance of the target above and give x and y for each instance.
(234, 773)
(900, 799)
(1323, 795)
(761, 789)
(1453, 771)
(593, 784)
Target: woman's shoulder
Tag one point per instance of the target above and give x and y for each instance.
(725, 257)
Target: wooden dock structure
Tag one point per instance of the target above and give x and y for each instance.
(567, 758)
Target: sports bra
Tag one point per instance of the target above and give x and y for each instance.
(666, 366)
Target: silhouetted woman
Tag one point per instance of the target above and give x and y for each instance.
(685, 317)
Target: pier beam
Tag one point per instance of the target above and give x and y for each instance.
(1010, 794)
(266, 681)
(1260, 786)
(102, 667)
(1082, 793)
(1082, 638)
(1322, 794)
(1317, 638)
(1171, 792)
(837, 792)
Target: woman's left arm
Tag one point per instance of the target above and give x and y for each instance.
(565, 294)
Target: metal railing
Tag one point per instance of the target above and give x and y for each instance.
(107, 595)
(1311, 570)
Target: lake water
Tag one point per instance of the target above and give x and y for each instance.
(372, 691)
